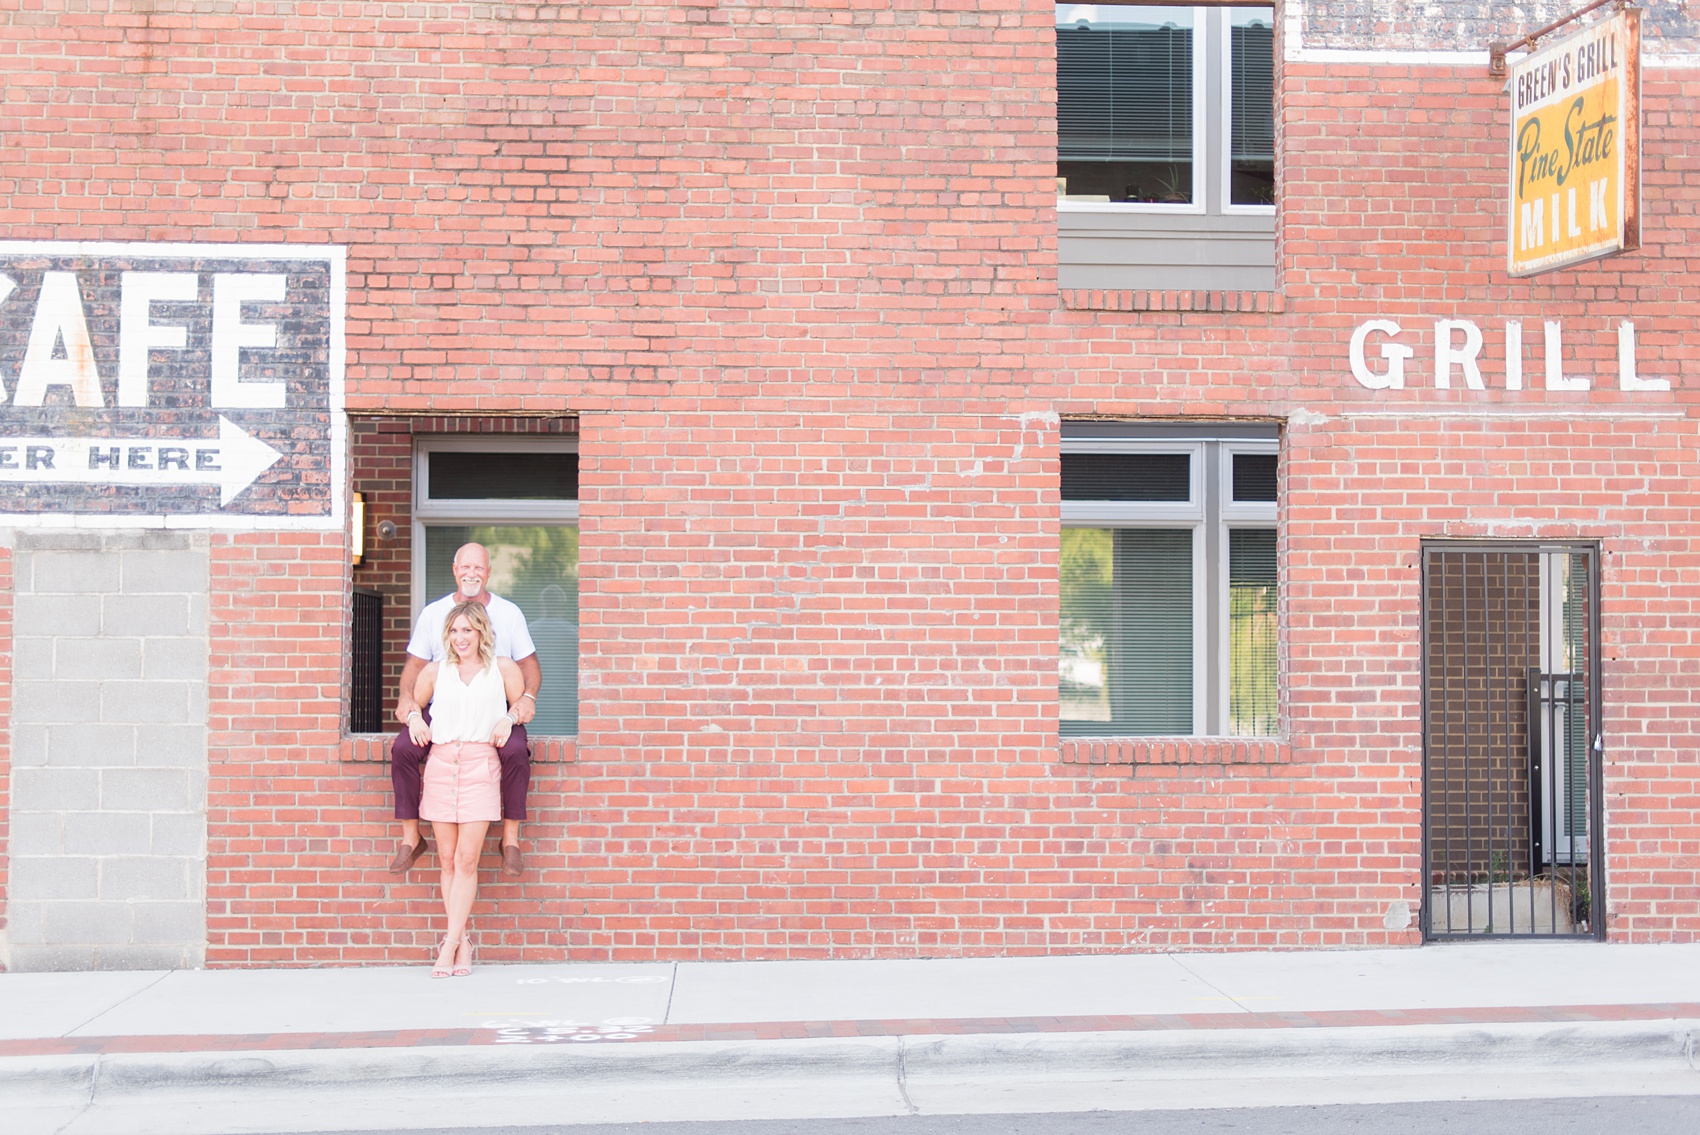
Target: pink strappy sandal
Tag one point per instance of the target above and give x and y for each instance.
(471, 954)
(441, 970)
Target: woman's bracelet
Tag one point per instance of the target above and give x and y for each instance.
(414, 714)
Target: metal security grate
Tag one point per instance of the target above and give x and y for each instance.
(366, 664)
(1511, 741)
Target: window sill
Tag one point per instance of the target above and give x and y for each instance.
(1097, 299)
(1135, 208)
(374, 748)
(1175, 751)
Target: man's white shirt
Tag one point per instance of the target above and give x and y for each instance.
(513, 639)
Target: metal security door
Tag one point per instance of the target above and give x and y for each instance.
(366, 662)
(1511, 741)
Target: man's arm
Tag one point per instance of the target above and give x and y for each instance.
(526, 709)
(405, 706)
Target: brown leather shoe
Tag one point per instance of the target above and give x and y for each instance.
(513, 863)
(406, 855)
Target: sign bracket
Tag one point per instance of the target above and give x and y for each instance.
(1498, 51)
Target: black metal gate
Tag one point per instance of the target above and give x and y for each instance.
(1511, 741)
(366, 663)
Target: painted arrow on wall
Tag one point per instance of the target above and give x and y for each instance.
(232, 462)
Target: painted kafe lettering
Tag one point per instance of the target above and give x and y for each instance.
(60, 352)
(232, 461)
(230, 336)
(182, 384)
(137, 335)
(1458, 346)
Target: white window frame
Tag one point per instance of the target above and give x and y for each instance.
(1209, 651)
(1225, 50)
(427, 512)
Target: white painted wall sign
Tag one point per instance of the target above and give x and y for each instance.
(195, 385)
(1381, 357)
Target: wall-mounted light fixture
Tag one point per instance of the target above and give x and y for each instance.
(357, 547)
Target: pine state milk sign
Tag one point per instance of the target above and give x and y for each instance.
(1576, 148)
(171, 385)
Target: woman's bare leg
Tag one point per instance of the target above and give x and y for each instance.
(468, 845)
(446, 845)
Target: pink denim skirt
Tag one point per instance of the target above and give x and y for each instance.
(463, 781)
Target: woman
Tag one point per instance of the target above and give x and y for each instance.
(469, 693)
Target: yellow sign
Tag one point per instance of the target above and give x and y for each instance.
(1576, 148)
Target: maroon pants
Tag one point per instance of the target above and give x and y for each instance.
(407, 773)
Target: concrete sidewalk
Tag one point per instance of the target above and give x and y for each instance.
(301, 1050)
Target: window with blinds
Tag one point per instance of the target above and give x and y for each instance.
(1124, 102)
(1132, 81)
(1251, 110)
(1127, 630)
(1169, 583)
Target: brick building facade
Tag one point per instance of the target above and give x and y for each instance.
(784, 280)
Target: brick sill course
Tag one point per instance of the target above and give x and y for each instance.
(374, 748)
(1174, 751)
(1101, 299)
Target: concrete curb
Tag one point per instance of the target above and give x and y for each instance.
(1667, 1047)
(1366, 1050)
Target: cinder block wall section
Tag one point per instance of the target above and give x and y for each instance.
(109, 757)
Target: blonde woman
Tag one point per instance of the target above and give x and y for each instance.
(469, 693)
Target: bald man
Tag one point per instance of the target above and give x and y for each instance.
(412, 745)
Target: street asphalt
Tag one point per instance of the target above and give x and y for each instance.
(226, 1051)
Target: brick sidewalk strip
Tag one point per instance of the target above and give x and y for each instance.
(800, 1030)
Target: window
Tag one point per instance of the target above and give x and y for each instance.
(1169, 581)
(520, 500)
(1125, 103)
(1251, 106)
(1166, 146)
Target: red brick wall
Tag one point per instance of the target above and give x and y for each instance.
(793, 267)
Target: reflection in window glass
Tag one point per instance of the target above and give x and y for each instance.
(1125, 660)
(1124, 103)
(536, 567)
(1252, 620)
(515, 475)
(1252, 90)
(1083, 666)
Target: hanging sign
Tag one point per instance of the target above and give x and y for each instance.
(155, 384)
(1576, 148)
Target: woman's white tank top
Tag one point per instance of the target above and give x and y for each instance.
(462, 711)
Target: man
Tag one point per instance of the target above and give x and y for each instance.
(407, 756)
